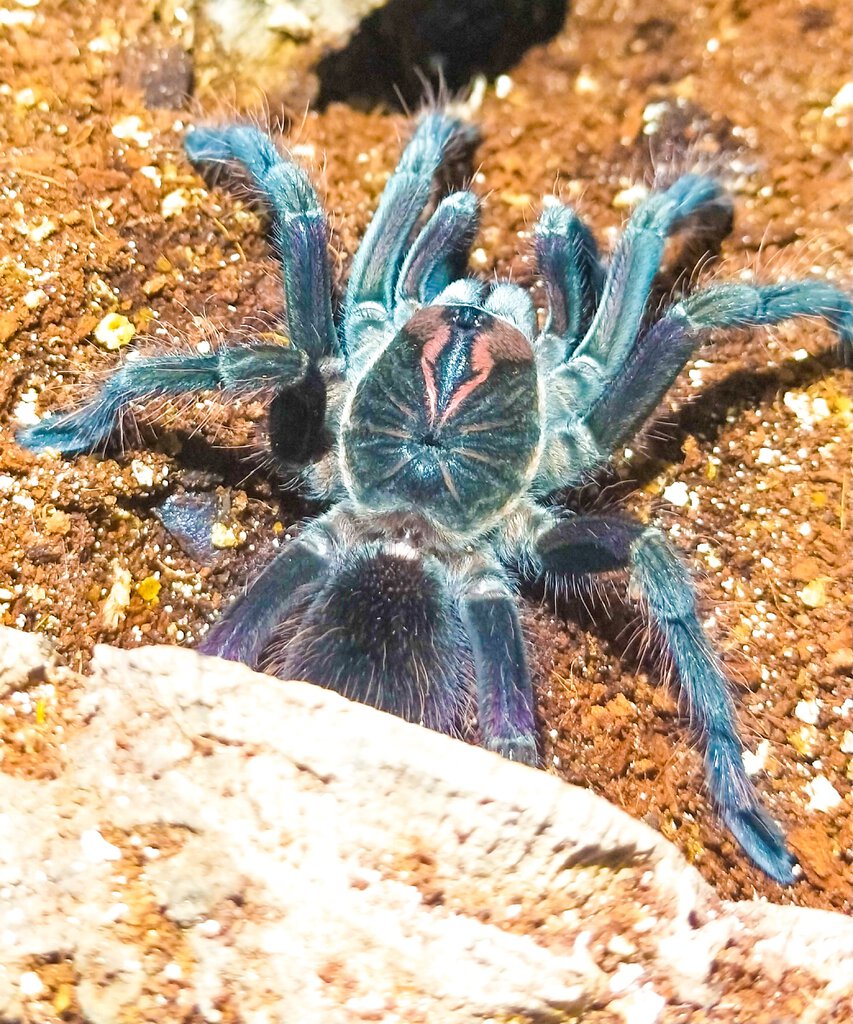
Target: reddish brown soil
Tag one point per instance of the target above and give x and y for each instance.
(757, 433)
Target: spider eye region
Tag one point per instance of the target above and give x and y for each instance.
(447, 419)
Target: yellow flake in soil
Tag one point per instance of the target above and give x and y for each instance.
(813, 595)
(114, 332)
(148, 589)
(223, 536)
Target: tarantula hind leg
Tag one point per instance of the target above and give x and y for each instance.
(586, 545)
(230, 368)
(504, 693)
(245, 630)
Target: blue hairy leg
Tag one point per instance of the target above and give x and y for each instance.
(232, 368)
(636, 262)
(504, 694)
(299, 232)
(568, 260)
(381, 628)
(661, 352)
(587, 545)
(377, 263)
(245, 630)
(439, 255)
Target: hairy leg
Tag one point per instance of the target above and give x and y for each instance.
(504, 694)
(246, 628)
(636, 262)
(375, 269)
(231, 368)
(586, 545)
(568, 260)
(439, 254)
(660, 354)
(300, 233)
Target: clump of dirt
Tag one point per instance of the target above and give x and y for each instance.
(107, 236)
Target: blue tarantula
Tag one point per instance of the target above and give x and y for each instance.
(435, 417)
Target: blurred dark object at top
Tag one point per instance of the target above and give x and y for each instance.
(297, 53)
(408, 44)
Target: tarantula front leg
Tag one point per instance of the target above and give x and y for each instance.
(504, 693)
(234, 368)
(568, 260)
(585, 545)
(300, 233)
(376, 267)
(635, 263)
(246, 628)
(439, 255)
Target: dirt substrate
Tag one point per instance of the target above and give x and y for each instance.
(746, 468)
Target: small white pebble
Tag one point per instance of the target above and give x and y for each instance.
(173, 971)
(644, 1006)
(34, 298)
(677, 493)
(130, 129)
(142, 474)
(847, 742)
(30, 984)
(96, 849)
(808, 711)
(625, 976)
(174, 203)
(585, 84)
(503, 86)
(754, 763)
(823, 796)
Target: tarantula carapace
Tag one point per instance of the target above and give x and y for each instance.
(449, 416)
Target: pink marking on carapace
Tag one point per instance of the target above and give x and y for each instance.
(437, 340)
(496, 342)
(499, 342)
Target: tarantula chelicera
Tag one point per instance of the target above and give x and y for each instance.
(435, 417)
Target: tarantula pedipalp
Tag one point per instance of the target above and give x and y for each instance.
(450, 418)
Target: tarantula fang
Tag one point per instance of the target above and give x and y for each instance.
(435, 417)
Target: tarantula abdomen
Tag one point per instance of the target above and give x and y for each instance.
(381, 629)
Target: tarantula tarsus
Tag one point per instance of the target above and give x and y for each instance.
(448, 418)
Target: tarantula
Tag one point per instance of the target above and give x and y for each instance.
(435, 417)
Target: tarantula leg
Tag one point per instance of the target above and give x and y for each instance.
(592, 544)
(439, 254)
(248, 625)
(568, 259)
(375, 269)
(300, 233)
(231, 368)
(635, 263)
(504, 693)
(662, 351)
